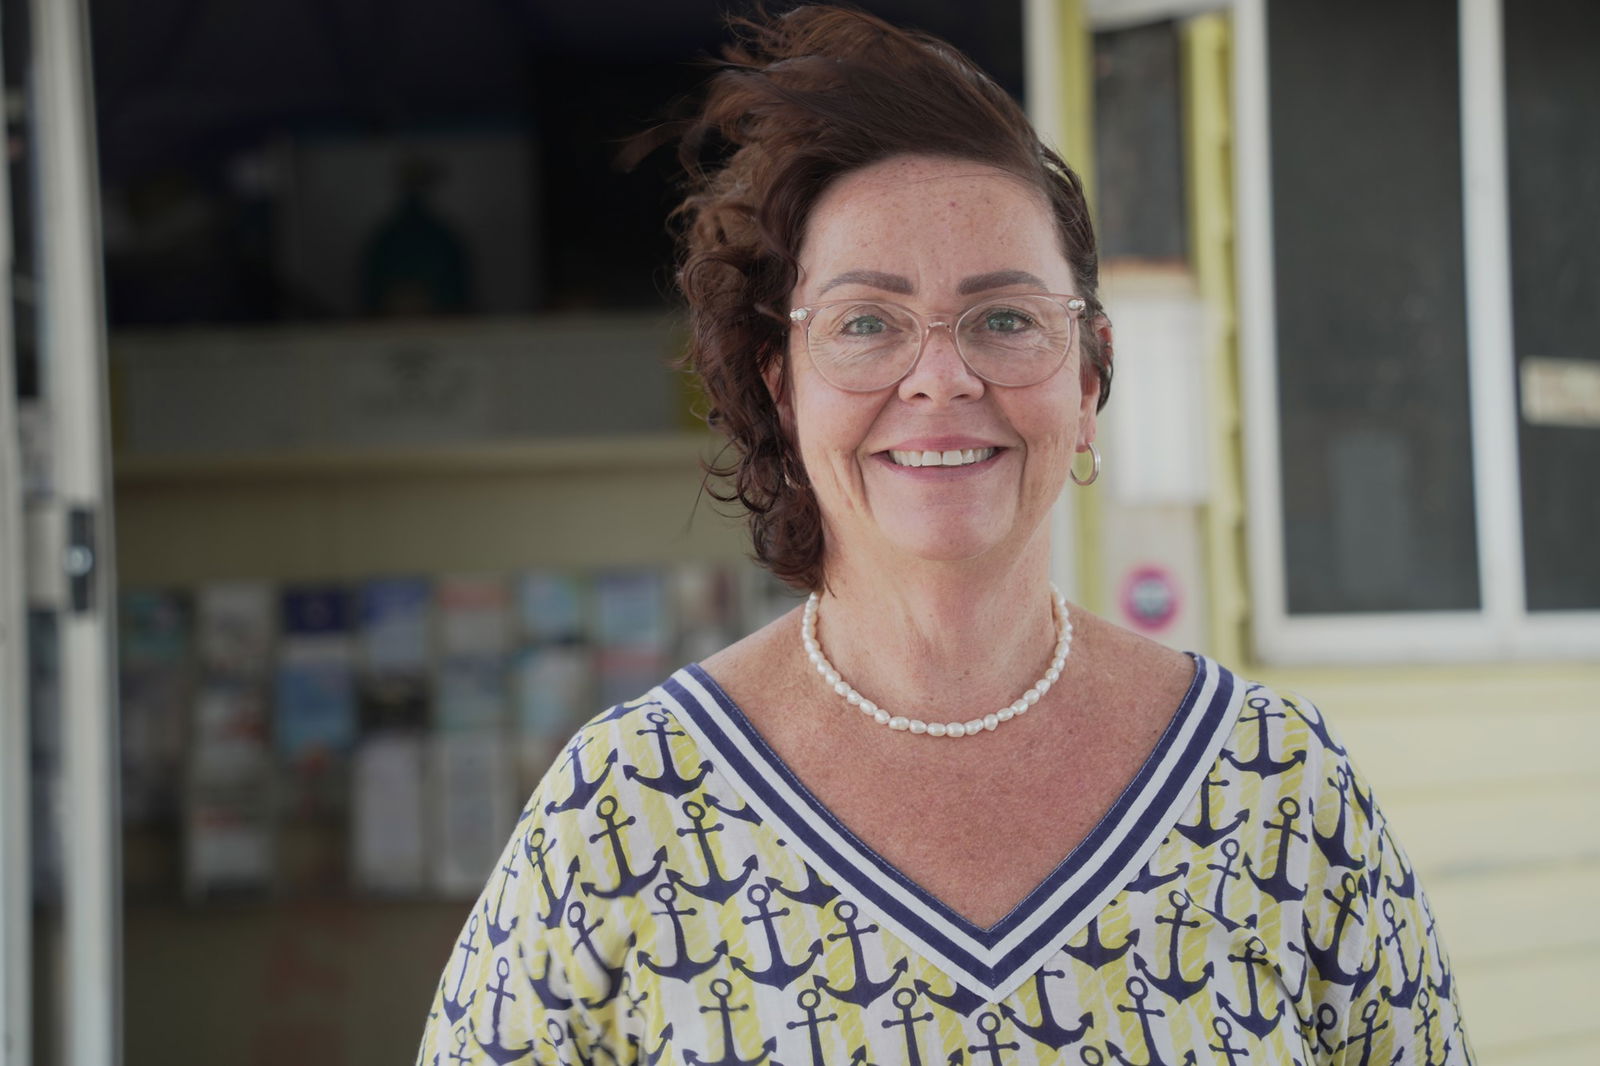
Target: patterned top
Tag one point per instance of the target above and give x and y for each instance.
(673, 894)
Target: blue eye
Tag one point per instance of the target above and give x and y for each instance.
(1006, 320)
(864, 326)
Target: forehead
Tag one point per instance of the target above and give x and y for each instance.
(908, 205)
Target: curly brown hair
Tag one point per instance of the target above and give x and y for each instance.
(799, 101)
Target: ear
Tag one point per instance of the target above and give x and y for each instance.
(1089, 383)
(776, 377)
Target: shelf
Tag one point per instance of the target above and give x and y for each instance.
(647, 451)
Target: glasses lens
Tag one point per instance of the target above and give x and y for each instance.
(862, 346)
(1016, 340)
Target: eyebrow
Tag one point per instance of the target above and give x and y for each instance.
(997, 279)
(875, 278)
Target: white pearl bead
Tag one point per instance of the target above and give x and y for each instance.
(902, 723)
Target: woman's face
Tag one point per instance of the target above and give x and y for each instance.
(936, 235)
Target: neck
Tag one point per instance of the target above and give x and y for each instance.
(941, 641)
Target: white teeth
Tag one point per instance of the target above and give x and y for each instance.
(953, 457)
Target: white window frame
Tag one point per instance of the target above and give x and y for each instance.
(1502, 627)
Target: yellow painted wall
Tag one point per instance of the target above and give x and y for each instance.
(1487, 772)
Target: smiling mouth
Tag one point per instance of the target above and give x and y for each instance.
(954, 457)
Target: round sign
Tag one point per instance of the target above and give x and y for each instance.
(1150, 598)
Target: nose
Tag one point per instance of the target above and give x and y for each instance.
(940, 374)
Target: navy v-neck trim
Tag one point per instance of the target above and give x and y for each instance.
(992, 962)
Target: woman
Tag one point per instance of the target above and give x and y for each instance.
(937, 815)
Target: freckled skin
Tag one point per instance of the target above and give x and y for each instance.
(934, 222)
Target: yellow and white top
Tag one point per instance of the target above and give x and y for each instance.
(673, 894)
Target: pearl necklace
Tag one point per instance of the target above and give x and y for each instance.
(900, 722)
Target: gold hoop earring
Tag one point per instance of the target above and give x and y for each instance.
(1094, 475)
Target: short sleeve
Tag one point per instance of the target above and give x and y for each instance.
(505, 994)
(1379, 985)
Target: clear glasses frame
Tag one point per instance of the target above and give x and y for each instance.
(1074, 306)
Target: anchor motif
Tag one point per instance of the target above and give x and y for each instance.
(858, 1057)
(722, 988)
(459, 1055)
(957, 999)
(1262, 764)
(652, 1056)
(1224, 1029)
(1202, 832)
(1407, 992)
(863, 991)
(989, 1025)
(1369, 1014)
(1141, 992)
(778, 972)
(1326, 1020)
(717, 888)
(1326, 958)
(534, 847)
(809, 999)
(816, 892)
(454, 1007)
(575, 915)
(1425, 1026)
(548, 996)
(1277, 884)
(1173, 983)
(497, 932)
(1332, 845)
(1406, 887)
(1254, 1022)
(1318, 724)
(583, 790)
(1148, 880)
(685, 969)
(669, 780)
(622, 710)
(1305, 972)
(628, 882)
(1230, 854)
(630, 999)
(1096, 953)
(746, 813)
(905, 999)
(1047, 1031)
(492, 1047)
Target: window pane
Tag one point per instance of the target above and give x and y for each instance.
(1372, 358)
(1553, 167)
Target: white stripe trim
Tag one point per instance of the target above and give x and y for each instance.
(859, 867)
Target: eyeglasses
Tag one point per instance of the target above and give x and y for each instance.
(866, 345)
